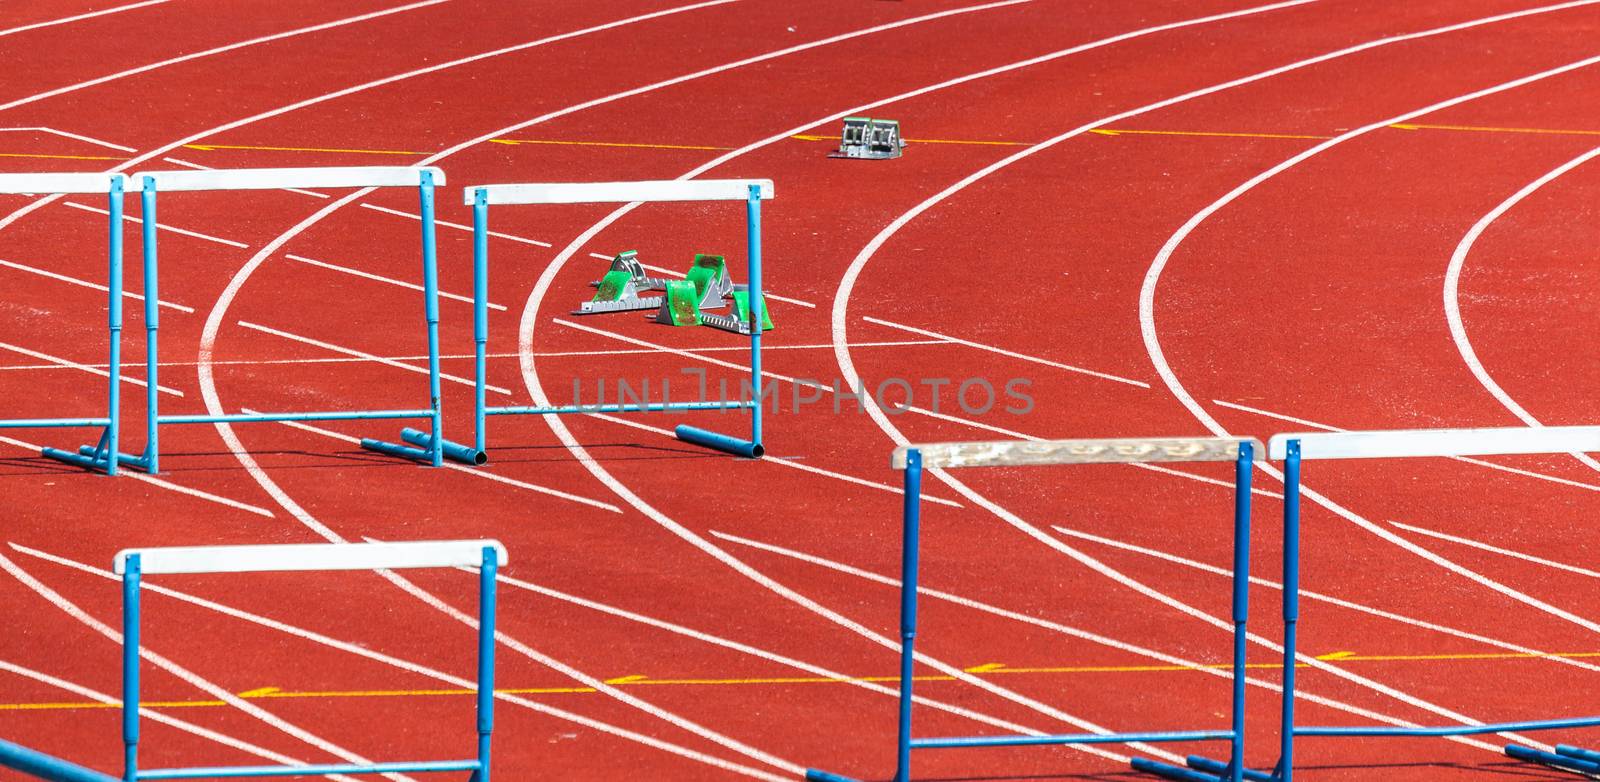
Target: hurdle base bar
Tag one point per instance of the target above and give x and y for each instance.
(91, 458)
(452, 450)
(395, 449)
(719, 442)
(818, 775)
(1200, 769)
(1566, 758)
(44, 766)
(306, 771)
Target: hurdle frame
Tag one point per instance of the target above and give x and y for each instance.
(114, 187)
(481, 197)
(1295, 448)
(133, 564)
(150, 183)
(912, 460)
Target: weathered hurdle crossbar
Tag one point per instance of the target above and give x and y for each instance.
(487, 555)
(1293, 449)
(150, 183)
(47, 767)
(480, 198)
(912, 460)
(111, 186)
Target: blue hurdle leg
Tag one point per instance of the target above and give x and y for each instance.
(1561, 761)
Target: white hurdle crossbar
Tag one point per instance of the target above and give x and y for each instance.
(290, 178)
(751, 191)
(1407, 443)
(133, 564)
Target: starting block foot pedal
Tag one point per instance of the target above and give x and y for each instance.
(621, 288)
(864, 138)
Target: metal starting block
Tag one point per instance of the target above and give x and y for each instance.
(705, 287)
(620, 289)
(739, 322)
(865, 138)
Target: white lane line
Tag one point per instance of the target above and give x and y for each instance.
(1175, 386)
(195, 680)
(764, 654)
(1505, 552)
(1324, 598)
(457, 226)
(161, 227)
(154, 716)
(380, 278)
(168, 485)
(1007, 353)
(73, 136)
(531, 378)
(1452, 295)
(208, 52)
(421, 670)
(86, 284)
(68, 364)
(478, 472)
(715, 737)
(794, 463)
(80, 17)
(198, 167)
(847, 286)
(367, 356)
(1467, 459)
(1057, 627)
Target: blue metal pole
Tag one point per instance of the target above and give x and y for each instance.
(130, 667)
(1291, 602)
(486, 624)
(757, 310)
(113, 428)
(44, 766)
(480, 312)
(1241, 598)
(430, 285)
(908, 606)
(152, 309)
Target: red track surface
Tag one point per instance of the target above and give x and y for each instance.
(1316, 295)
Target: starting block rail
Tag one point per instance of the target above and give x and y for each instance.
(1295, 448)
(150, 183)
(480, 198)
(134, 564)
(112, 186)
(914, 459)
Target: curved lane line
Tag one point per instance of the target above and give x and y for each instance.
(218, 313)
(1452, 295)
(209, 52)
(187, 675)
(535, 388)
(847, 367)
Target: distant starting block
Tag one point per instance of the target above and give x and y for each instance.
(869, 139)
(620, 289)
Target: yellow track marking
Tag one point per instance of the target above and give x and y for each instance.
(1203, 133)
(514, 142)
(640, 680)
(236, 147)
(58, 157)
(1479, 129)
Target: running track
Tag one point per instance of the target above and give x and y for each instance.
(1207, 285)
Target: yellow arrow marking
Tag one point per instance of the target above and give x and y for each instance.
(214, 147)
(1479, 129)
(634, 679)
(986, 668)
(1336, 656)
(514, 142)
(260, 692)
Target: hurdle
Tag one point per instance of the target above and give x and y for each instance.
(1293, 449)
(133, 564)
(150, 183)
(912, 460)
(480, 198)
(111, 186)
